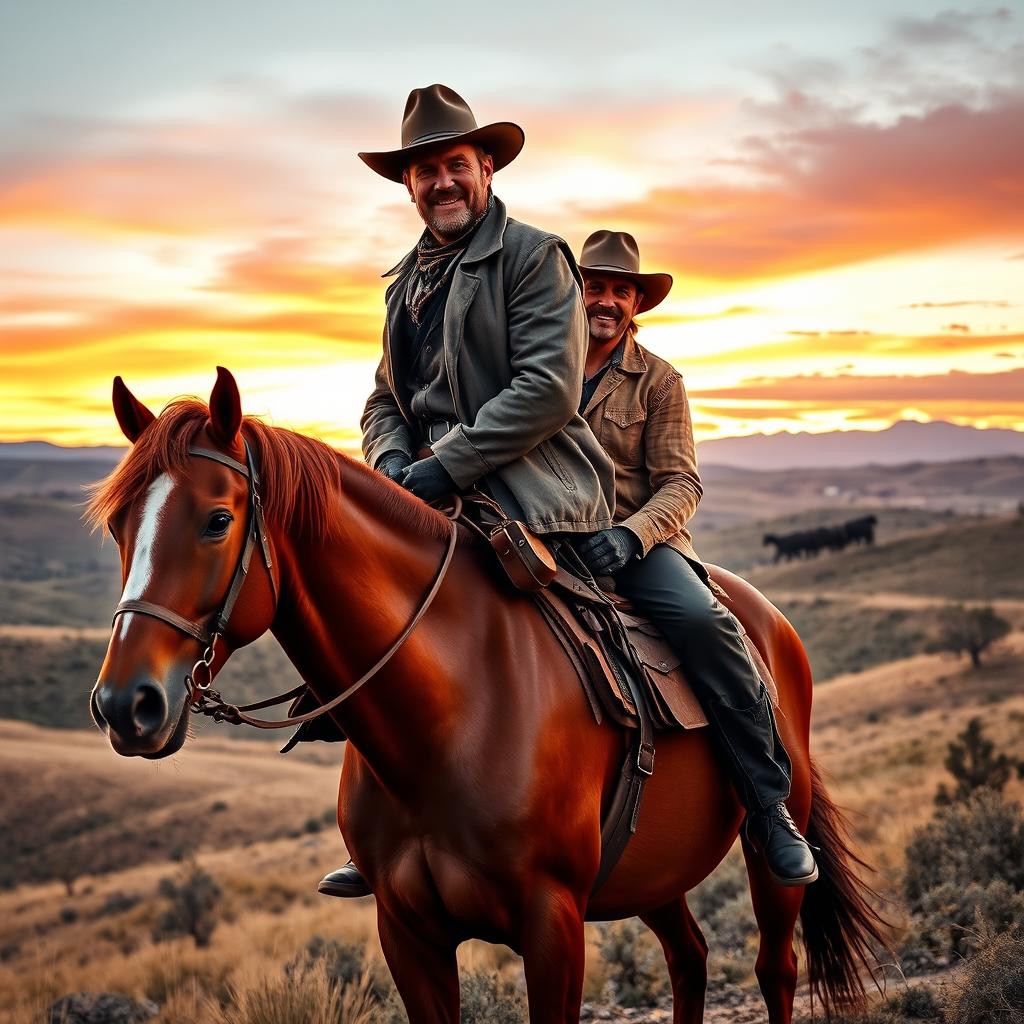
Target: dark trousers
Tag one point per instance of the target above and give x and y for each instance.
(666, 588)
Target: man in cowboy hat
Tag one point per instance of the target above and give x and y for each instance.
(485, 340)
(636, 405)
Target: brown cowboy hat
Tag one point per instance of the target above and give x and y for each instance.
(438, 115)
(616, 254)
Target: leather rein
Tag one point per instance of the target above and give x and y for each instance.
(203, 699)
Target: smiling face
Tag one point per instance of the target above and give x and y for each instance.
(611, 304)
(449, 188)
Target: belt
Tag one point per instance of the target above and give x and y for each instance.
(434, 430)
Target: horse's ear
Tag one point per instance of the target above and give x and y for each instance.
(225, 409)
(132, 416)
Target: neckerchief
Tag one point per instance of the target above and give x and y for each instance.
(433, 264)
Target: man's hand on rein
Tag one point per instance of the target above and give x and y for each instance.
(427, 479)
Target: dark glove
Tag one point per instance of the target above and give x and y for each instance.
(392, 464)
(607, 552)
(427, 479)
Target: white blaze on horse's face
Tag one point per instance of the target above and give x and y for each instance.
(140, 573)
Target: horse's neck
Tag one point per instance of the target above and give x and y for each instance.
(344, 601)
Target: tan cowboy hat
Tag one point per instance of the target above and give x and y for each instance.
(437, 115)
(616, 254)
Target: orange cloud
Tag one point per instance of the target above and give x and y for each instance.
(839, 195)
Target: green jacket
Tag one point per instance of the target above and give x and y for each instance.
(515, 343)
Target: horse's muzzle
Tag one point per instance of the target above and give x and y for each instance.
(134, 717)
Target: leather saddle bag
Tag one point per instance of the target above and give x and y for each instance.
(524, 557)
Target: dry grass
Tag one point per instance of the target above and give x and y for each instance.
(881, 734)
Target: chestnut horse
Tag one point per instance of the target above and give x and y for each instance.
(475, 775)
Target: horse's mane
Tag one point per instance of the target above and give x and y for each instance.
(300, 477)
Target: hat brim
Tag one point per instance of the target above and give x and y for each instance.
(503, 140)
(655, 287)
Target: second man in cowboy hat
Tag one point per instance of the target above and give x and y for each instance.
(485, 340)
(636, 405)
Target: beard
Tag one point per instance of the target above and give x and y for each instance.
(604, 330)
(448, 224)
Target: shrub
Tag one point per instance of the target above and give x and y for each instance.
(306, 997)
(346, 966)
(951, 914)
(990, 985)
(977, 841)
(636, 969)
(193, 897)
(117, 903)
(488, 998)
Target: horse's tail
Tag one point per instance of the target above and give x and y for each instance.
(840, 924)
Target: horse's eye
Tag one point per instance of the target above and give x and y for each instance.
(218, 524)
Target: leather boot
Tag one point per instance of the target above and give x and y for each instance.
(760, 770)
(346, 882)
(789, 857)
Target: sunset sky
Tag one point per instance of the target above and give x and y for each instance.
(837, 188)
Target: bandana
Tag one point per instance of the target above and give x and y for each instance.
(434, 263)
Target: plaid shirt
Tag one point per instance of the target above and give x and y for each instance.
(641, 416)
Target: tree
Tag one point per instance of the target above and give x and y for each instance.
(969, 631)
(973, 762)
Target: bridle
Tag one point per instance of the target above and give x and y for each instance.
(202, 698)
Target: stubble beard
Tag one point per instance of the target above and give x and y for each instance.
(448, 225)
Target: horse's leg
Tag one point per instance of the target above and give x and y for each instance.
(686, 952)
(776, 908)
(426, 973)
(553, 950)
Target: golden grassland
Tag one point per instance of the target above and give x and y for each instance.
(88, 836)
(881, 734)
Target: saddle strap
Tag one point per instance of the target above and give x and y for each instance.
(620, 824)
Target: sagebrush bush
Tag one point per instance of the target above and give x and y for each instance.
(989, 988)
(488, 998)
(974, 842)
(194, 897)
(636, 967)
(950, 913)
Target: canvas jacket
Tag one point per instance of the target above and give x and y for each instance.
(641, 416)
(515, 343)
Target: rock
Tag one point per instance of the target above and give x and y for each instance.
(101, 1008)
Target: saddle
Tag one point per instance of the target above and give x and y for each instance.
(591, 625)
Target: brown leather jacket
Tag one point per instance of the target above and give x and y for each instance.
(641, 416)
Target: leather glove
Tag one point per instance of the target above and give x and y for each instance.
(427, 479)
(392, 464)
(607, 552)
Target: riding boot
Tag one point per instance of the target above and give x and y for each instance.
(761, 770)
(346, 882)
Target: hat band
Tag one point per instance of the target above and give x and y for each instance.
(608, 266)
(436, 137)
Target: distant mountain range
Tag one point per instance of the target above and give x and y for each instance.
(43, 451)
(905, 441)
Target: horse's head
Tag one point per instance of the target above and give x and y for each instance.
(182, 510)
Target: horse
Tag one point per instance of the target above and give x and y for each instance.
(475, 774)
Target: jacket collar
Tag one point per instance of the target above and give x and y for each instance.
(632, 357)
(632, 361)
(486, 241)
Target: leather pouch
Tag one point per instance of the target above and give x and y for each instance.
(524, 557)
